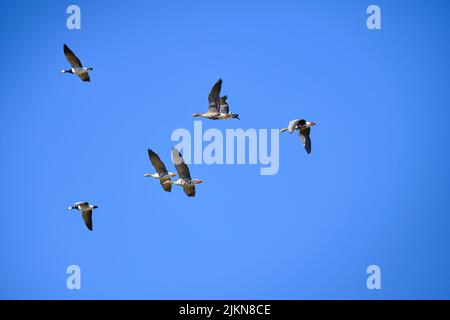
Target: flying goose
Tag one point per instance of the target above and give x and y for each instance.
(76, 66)
(86, 211)
(304, 128)
(161, 171)
(217, 106)
(185, 179)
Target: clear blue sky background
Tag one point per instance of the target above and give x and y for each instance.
(375, 189)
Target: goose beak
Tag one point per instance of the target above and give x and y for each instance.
(311, 124)
(197, 181)
(172, 174)
(147, 175)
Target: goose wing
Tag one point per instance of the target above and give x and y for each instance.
(85, 77)
(189, 190)
(306, 140)
(72, 58)
(180, 165)
(214, 97)
(87, 217)
(224, 107)
(157, 163)
(167, 187)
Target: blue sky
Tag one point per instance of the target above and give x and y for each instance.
(373, 191)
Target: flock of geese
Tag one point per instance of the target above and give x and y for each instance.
(218, 109)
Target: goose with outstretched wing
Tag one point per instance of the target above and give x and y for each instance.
(76, 66)
(304, 129)
(161, 172)
(218, 108)
(184, 175)
(86, 212)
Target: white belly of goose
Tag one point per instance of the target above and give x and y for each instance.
(79, 71)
